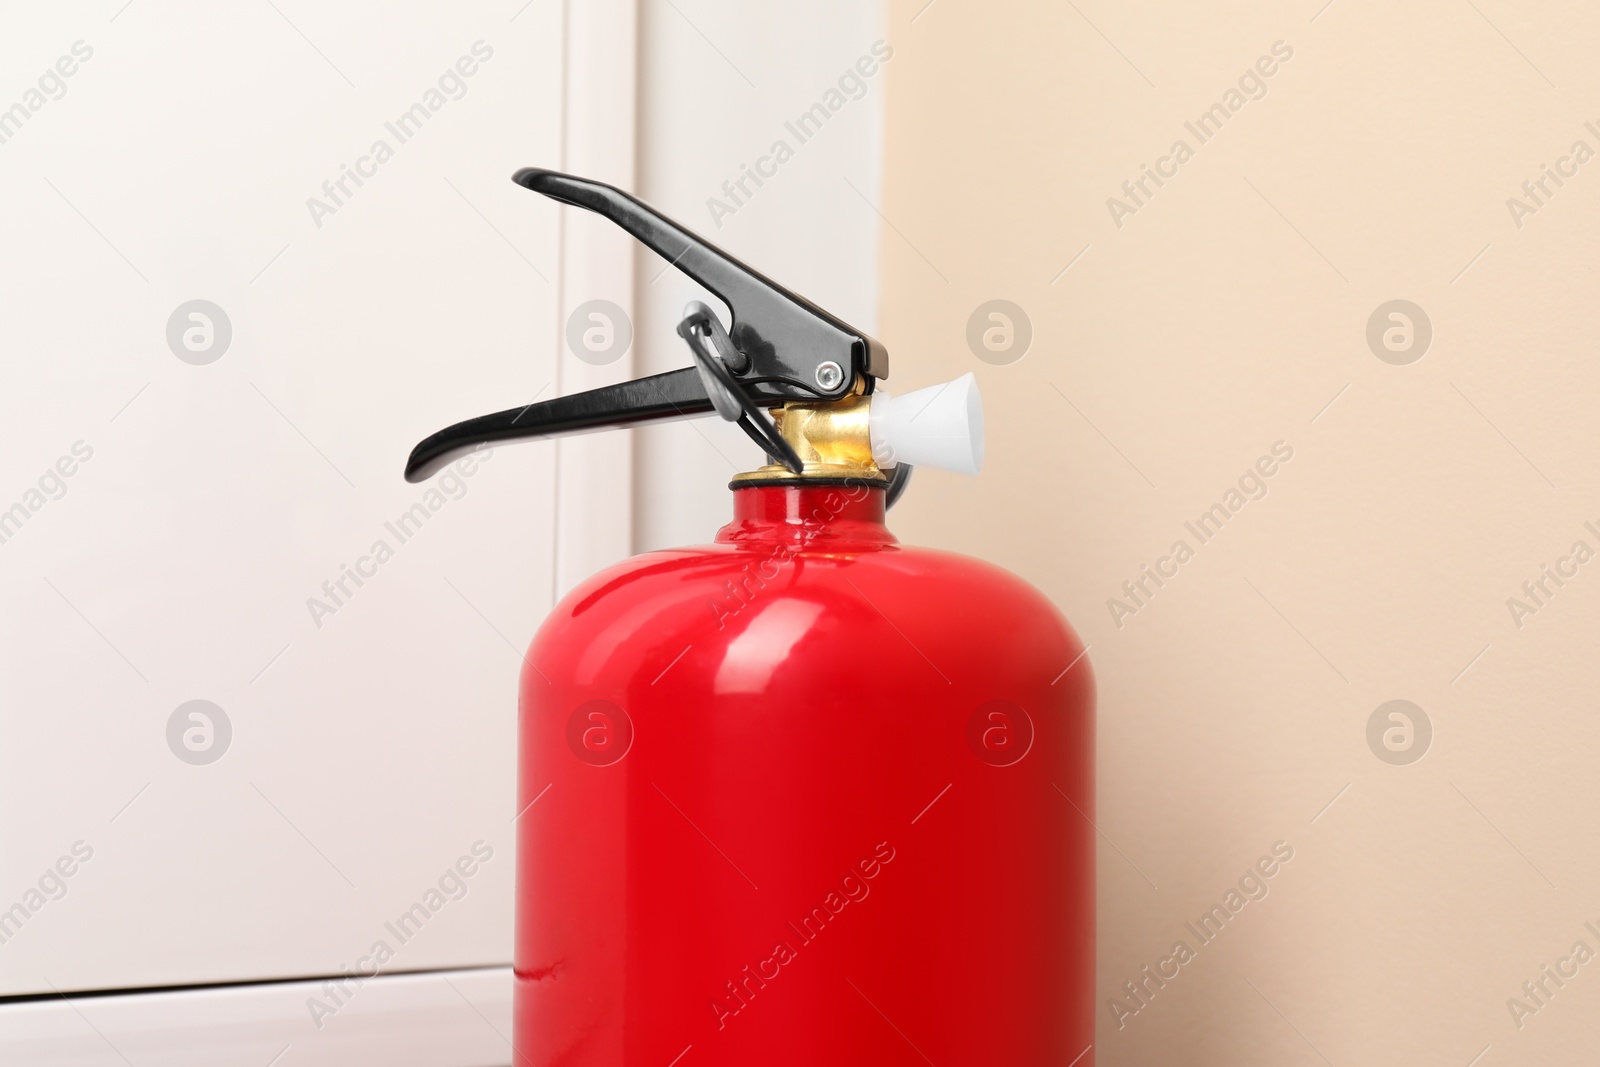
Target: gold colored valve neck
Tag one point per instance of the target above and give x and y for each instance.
(831, 439)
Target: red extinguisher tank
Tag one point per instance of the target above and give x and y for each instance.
(805, 796)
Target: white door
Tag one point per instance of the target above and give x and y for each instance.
(257, 694)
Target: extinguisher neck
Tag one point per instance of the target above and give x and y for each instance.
(847, 514)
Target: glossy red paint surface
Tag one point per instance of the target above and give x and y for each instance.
(805, 796)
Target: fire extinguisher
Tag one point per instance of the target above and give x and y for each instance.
(804, 795)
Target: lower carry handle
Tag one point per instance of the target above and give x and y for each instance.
(674, 395)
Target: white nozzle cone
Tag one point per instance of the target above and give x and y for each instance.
(940, 426)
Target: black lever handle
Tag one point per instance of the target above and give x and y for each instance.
(782, 347)
(786, 337)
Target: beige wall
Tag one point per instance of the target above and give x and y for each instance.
(1229, 313)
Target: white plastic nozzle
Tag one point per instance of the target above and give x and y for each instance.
(940, 426)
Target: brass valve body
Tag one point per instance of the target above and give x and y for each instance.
(832, 440)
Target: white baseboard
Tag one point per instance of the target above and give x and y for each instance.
(435, 1019)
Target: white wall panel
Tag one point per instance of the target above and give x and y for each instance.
(372, 746)
(721, 84)
(595, 471)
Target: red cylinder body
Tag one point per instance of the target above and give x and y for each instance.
(805, 796)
